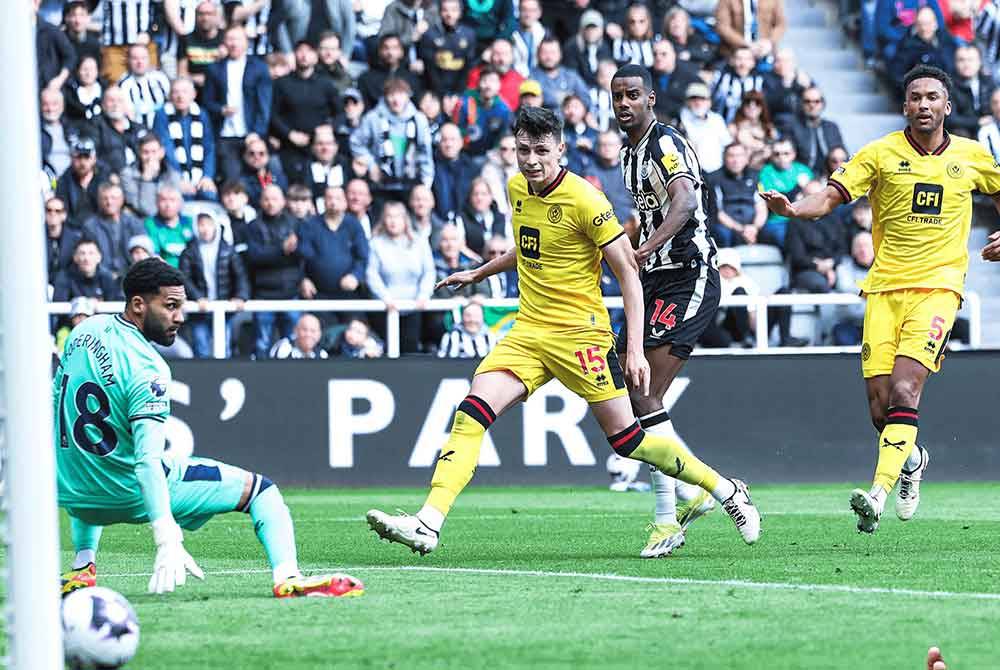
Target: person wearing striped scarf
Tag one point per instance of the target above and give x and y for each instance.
(186, 133)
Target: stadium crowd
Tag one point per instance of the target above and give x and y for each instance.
(340, 149)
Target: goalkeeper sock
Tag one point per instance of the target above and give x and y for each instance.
(85, 539)
(663, 486)
(458, 459)
(272, 523)
(897, 441)
(671, 459)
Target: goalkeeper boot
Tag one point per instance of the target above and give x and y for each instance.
(79, 578)
(743, 512)
(690, 510)
(320, 586)
(908, 495)
(868, 508)
(663, 539)
(405, 529)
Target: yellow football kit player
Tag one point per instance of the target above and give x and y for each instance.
(921, 215)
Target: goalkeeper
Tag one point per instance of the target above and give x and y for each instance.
(111, 403)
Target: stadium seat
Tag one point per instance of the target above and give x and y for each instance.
(763, 264)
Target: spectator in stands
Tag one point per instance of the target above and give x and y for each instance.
(850, 272)
(556, 81)
(784, 87)
(212, 271)
(117, 135)
(752, 127)
(469, 339)
(970, 99)
(359, 203)
(448, 51)
(169, 229)
(760, 32)
(636, 45)
(893, 18)
(705, 129)
(143, 180)
(564, 18)
(301, 101)
(483, 116)
(400, 267)
(858, 220)
(670, 81)
(77, 186)
(203, 46)
(58, 132)
(989, 134)
(357, 341)
(335, 17)
(450, 257)
(81, 308)
(326, 167)
(689, 44)
(126, 22)
(927, 43)
(299, 205)
(489, 19)
(429, 105)
(812, 248)
(260, 169)
(60, 237)
(236, 202)
(734, 81)
(367, 21)
(741, 213)
(530, 93)
(502, 284)
(350, 119)
(588, 47)
(606, 168)
(76, 24)
(55, 57)
(501, 59)
(83, 92)
(145, 87)
(785, 175)
(275, 266)
(140, 248)
(580, 138)
(410, 20)
(500, 166)
(254, 17)
(85, 276)
(335, 250)
(389, 64)
(527, 36)
(453, 173)
(394, 142)
(481, 219)
(304, 341)
(834, 159)
(186, 132)
(813, 135)
(602, 113)
(333, 62)
(111, 228)
(426, 223)
(238, 110)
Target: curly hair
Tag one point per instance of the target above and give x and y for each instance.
(148, 276)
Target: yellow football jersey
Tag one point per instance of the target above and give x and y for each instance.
(921, 207)
(559, 233)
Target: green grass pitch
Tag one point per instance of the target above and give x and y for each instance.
(523, 579)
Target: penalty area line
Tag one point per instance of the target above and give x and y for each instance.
(636, 579)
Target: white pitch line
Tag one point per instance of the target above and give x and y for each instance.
(674, 581)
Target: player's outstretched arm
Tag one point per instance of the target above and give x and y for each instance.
(173, 562)
(499, 264)
(683, 203)
(811, 207)
(991, 252)
(621, 259)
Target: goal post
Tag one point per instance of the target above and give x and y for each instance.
(34, 630)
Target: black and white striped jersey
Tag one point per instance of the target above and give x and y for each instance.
(171, 40)
(146, 94)
(256, 24)
(124, 20)
(662, 156)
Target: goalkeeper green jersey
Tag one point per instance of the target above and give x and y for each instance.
(109, 377)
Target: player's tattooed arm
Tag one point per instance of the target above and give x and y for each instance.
(683, 204)
(810, 207)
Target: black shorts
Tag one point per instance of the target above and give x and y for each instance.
(680, 305)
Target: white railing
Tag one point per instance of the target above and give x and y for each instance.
(219, 308)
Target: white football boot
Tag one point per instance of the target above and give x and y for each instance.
(743, 512)
(663, 539)
(908, 495)
(405, 529)
(868, 508)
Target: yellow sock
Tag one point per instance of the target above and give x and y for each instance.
(667, 454)
(457, 462)
(898, 439)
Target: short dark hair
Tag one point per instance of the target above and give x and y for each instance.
(928, 72)
(537, 122)
(83, 241)
(148, 276)
(633, 70)
(233, 187)
(304, 43)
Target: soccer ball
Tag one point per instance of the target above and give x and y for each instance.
(624, 472)
(100, 629)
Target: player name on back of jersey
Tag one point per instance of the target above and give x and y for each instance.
(98, 350)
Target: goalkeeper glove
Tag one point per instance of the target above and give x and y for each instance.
(172, 560)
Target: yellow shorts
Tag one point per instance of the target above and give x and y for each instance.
(910, 322)
(584, 360)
